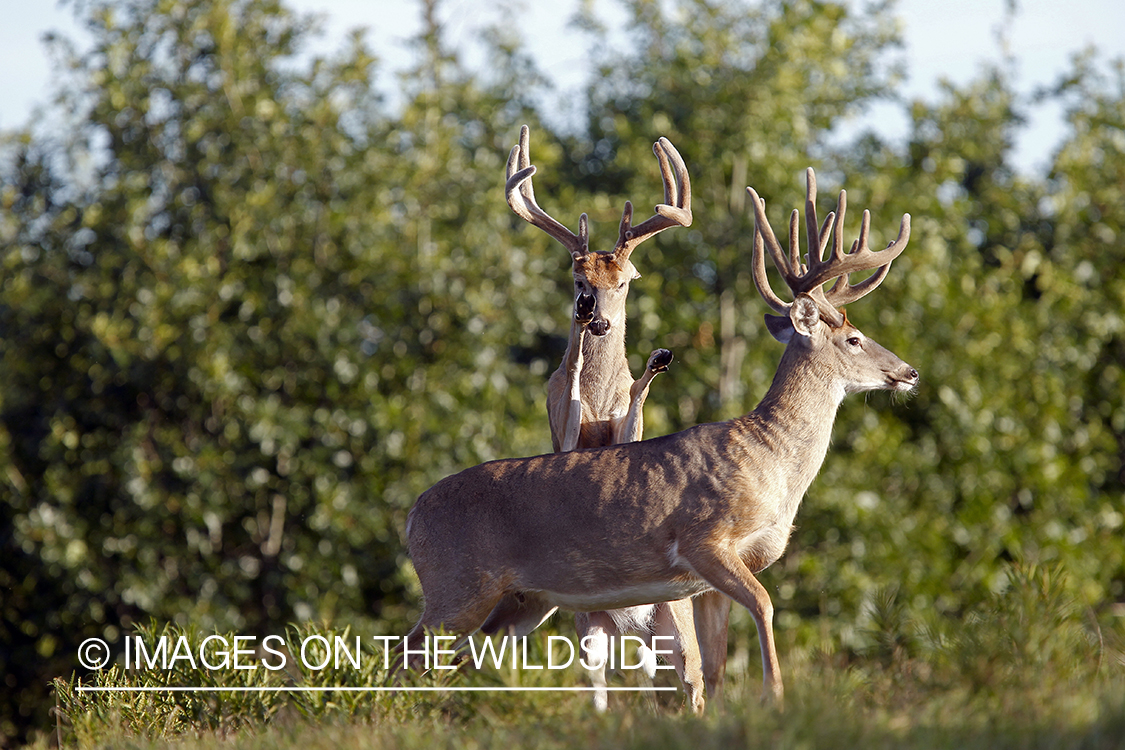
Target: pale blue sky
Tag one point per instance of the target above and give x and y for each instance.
(950, 38)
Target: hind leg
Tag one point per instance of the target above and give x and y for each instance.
(461, 621)
(517, 615)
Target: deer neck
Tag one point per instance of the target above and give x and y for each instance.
(604, 366)
(793, 423)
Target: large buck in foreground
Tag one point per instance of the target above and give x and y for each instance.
(664, 519)
(592, 399)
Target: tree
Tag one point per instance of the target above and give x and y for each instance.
(1079, 284)
(1008, 452)
(749, 93)
(241, 343)
(247, 313)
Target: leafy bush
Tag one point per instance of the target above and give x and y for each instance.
(1027, 668)
(247, 313)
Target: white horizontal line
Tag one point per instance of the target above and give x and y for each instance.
(85, 689)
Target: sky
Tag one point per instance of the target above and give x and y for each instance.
(944, 39)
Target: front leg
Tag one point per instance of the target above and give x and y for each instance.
(675, 620)
(726, 571)
(595, 633)
(711, 612)
(572, 423)
(630, 429)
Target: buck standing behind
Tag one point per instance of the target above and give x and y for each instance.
(664, 519)
(593, 401)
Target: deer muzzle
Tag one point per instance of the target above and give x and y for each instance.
(905, 379)
(598, 326)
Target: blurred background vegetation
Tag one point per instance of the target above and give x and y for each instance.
(248, 311)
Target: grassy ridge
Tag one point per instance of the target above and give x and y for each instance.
(1031, 670)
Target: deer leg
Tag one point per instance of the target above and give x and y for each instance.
(459, 621)
(517, 615)
(458, 600)
(675, 619)
(572, 422)
(724, 570)
(630, 429)
(572, 416)
(594, 632)
(712, 615)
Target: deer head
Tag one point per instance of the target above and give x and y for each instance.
(603, 275)
(816, 319)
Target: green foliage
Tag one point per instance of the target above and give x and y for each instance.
(749, 94)
(239, 346)
(1025, 669)
(1000, 456)
(147, 697)
(247, 314)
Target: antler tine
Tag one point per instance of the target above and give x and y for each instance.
(843, 293)
(840, 264)
(820, 269)
(794, 244)
(765, 238)
(809, 279)
(521, 197)
(671, 188)
(838, 228)
(815, 250)
(762, 225)
(676, 209)
(817, 237)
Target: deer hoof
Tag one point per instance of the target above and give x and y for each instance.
(659, 360)
(584, 309)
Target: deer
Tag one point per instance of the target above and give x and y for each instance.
(592, 399)
(704, 509)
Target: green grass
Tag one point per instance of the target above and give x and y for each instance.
(1029, 670)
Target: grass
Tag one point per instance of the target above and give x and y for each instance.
(1029, 670)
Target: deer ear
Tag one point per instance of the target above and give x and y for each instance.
(804, 315)
(780, 328)
(583, 245)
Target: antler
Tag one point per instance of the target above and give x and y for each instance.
(675, 211)
(521, 197)
(810, 279)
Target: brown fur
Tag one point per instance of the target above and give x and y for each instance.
(592, 398)
(662, 519)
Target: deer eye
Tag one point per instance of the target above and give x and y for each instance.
(622, 285)
(853, 341)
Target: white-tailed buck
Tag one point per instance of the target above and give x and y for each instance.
(664, 519)
(592, 399)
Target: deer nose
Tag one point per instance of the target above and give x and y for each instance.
(599, 326)
(910, 378)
